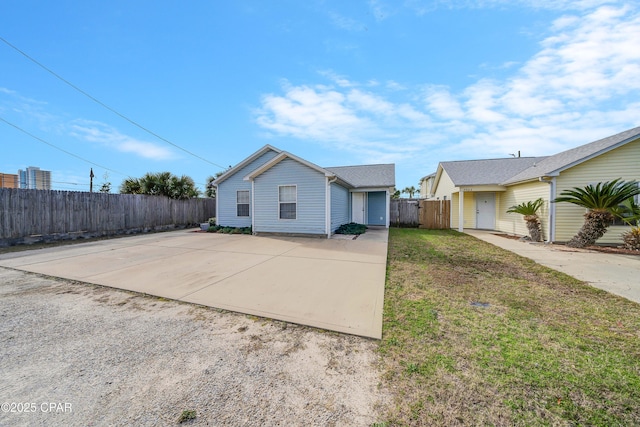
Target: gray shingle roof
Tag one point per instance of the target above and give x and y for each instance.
(486, 172)
(552, 165)
(367, 175)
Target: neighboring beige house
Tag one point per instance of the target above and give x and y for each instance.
(481, 191)
(426, 186)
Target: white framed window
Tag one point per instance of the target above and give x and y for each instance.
(287, 201)
(242, 202)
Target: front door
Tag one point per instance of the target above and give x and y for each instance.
(485, 211)
(357, 207)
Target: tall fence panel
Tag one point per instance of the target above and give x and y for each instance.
(435, 214)
(59, 214)
(430, 214)
(404, 213)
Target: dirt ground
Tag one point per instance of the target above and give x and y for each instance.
(79, 355)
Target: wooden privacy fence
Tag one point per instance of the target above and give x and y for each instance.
(404, 213)
(431, 214)
(41, 215)
(435, 214)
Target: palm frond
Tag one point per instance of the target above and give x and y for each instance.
(603, 196)
(527, 208)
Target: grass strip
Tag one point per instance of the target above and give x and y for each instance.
(476, 335)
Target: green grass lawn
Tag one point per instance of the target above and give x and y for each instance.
(476, 335)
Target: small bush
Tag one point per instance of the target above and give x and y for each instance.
(229, 230)
(631, 238)
(212, 222)
(186, 416)
(351, 228)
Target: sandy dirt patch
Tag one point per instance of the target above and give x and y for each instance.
(77, 355)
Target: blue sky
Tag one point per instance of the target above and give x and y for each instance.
(336, 82)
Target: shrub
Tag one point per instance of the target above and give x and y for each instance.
(631, 238)
(351, 228)
(186, 416)
(229, 230)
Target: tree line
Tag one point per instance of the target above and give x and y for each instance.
(164, 184)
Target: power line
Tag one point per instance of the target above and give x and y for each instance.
(97, 101)
(72, 183)
(60, 149)
(71, 154)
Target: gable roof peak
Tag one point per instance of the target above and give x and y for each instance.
(230, 172)
(281, 156)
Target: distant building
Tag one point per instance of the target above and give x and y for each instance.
(34, 178)
(9, 180)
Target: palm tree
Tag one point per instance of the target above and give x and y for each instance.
(161, 184)
(210, 189)
(600, 200)
(410, 191)
(530, 212)
(131, 186)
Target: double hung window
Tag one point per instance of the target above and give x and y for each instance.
(287, 201)
(242, 202)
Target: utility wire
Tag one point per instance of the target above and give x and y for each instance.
(58, 148)
(71, 154)
(97, 101)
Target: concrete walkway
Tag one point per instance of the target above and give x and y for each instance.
(615, 273)
(335, 284)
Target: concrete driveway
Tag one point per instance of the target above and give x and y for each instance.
(614, 273)
(335, 284)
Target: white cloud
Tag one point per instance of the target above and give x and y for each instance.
(594, 57)
(380, 10)
(103, 134)
(581, 85)
(34, 112)
(393, 85)
(307, 112)
(442, 103)
(422, 7)
(345, 23)
(338, 79)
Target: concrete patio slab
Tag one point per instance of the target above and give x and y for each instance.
(333, 284)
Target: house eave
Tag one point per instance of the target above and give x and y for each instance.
(482, 187)
(280, 157)
(370, 189)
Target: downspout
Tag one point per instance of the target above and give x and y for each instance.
(216, 187)
(552, 211)
(327, 214)
(388, 203)
(552, 207)
(253, 208)
(461, 210)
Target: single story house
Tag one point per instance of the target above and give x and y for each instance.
(274, 191)
(481, 191)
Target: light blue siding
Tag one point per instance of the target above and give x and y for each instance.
(311, 193)
(339, 206)
(377, 208)
(226, 194)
